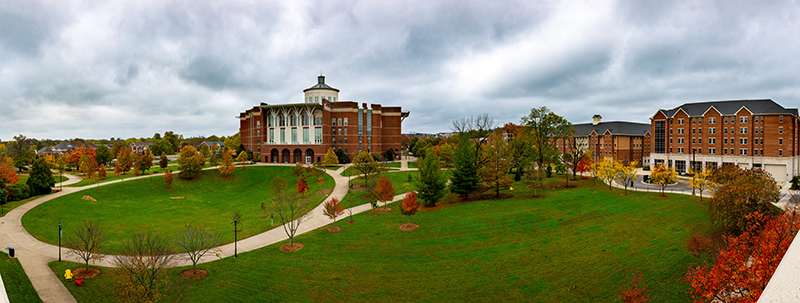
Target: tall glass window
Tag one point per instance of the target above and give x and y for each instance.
(317, 117)
(293, 120)
(281, 120)
(294, 136)
(272, 135)
(305, 136)
(283, 135)
(305, 120)
(318, 135)
(660, 137)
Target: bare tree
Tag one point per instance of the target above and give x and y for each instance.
(142, 265)
(475, 128)
(196, 241)
(86, 242)
(292, 207)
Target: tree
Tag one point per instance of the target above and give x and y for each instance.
(465, 176)
(3, 197)
(626, 173)
(87, 241)
(332, 209)
(365, 165)
(663, 176)
(343, 158)
(7, 173)
(302, 186)
(389, 155)
(330, 158)
(41, 179)
(196, 241)
(143, 265)
(163, 162)
(574, 154)
(634, 292)
(292, 208)
(586, 163)
(227, 166)
(475, 129)
(101, 172)
(744, 267)
(494, 172)
(545, 129)
(103, 155)
(384, 191)
(124, 160)
(752, 190)
(446, 154)
(232, 142)
(243, 157)
(520, 148)
(168, 178)
(606, 170)
(21, 152)
(410, 205)
(432, 182)
(702, 181)
(88, 166)
(191, 162)
(143, 162)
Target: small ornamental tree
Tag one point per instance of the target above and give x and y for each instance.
(227, 167)
(607, 170)
(142, 266)
(494, 173)
(242, 158)
(432, 182)
(384, 191)
(292, 208)
(635, 292)
(41, 178)
(333, 209)
(751, 191)
(410, 205)
(302, 186)
(88, 166)
(366, 165)
(168, 178)
(626, 173)
(163, 162)
(191, 162)
(86, 241)
(7, 173)
(702, 181)
(196, 241)
(124, 160)
(101, 172)
(663, 176)
(330, 158)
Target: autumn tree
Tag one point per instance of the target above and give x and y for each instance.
(168, 178)
(475, 129)
(302, 186)
(7, 173)
(744, 267)
(663, 176)
(384, 191)
(752, 190)
(103, 154)
(124, 160)
(330, 158)
(86, 241)
(101, 172)
(196, 241)
(242, 158)
(464, 179)
(410, 205)
(520, 149)
(191, 162)
(574, 154)
(333, 209)
(635, 292)
(292, 208)
(586, 163)
(545, 128)
(163, 162)
(432, 182)
(494, 172)
(606, 170)
(41, 178)
(88, 166)
(626, 173)
(366, 165)
(142, 266)
(702, 181)
(227, 166)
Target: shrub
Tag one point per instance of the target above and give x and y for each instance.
(19, 191)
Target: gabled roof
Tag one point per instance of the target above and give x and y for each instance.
(64, 145)
(730, 108)
(614, 127)
(143, 144)
(212, 143)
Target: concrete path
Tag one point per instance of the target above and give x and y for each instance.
(34, 254)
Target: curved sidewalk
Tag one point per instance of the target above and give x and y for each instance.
(34, 255)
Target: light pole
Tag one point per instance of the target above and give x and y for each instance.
(59, 241)
(235, 238)
(693, 169)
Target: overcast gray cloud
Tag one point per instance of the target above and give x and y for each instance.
(101, 69)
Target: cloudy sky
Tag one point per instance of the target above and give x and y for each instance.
(101, 69)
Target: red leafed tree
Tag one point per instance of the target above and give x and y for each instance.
(635, 292)
(168, 177)
(302, 186)
(333, 209)
(410, 205)
(699, 244)
(7, 173)
(745, 266)
(586, 163)
(384, 191)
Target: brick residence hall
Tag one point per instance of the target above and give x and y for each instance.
(303, 132)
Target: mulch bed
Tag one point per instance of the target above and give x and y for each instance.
(384, 209)
(373, 214)
(408, 227)
(189, 274)
(81, 271)
(333, 229)
(89, 198)
(350, 222)
(287, 248)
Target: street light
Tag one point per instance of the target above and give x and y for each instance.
(235, 238)
(59, 241)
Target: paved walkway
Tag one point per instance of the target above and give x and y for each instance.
(34, 254)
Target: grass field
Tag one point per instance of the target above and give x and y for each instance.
(18, 286)
(356, 196)
(138, 205)
(572, 245)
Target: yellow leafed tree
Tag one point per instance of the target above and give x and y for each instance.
(227, 166)
(663, 176)
(702, 181)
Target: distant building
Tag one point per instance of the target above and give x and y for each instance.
(618, 140)
(211, 144)
(58, 150)
(139, 147)
(300, 132)
(747, 133)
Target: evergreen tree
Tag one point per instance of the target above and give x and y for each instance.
(41, 179)
(465, 176)
(432, 181)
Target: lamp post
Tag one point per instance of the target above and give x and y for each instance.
(235, 238)
(59, 241)
(693, 169)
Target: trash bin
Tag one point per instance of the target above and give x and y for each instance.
(11, 251)
(644, 178)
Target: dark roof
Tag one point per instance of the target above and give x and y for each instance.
(211, 143)
(615, 127)
(730, 108)
(320, 84)
(64, 145)
(141, 143)
(46, 149)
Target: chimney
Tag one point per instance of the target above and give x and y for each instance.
(596, 119)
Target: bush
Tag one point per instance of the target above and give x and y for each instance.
(796, 182)
(647, 167)
(19, 191)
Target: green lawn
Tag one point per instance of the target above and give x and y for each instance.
(12, 205)
(18, 286)
(399, 179)
(573, 245)
(145, 204)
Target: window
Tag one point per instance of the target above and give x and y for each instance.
(304, 120)
(340, 121)
(725, 130)
(725, 140)
(700, 130)
(712, 151)
(712, 140)
(339, 132)
(281, 120)
(283, 135)
(725, 151)
(743, 151)
(699, 120)
(680, 131)
(345, 121)
(316, 99)
(762, 141)
(318, 118)
(733, 130)
(780, 119)
(743, 130)
(271, 135)
(680, 150)
(306, 138)
(680, 121)
(755, 130)
(294, 135)
(340, 140)
(743, 141)
(780, 141)
(670, 131)
(780, 130)
(659, 136)
(318, 135)
(271, 121)
(345, 140)
(680, 140)
(334, 141)
(726, 120)
(693, 140)
(333, 121)
(693, 130)
(345, 132)
(699, 150)
(743, 120)
(694, 121)
(712, 120)
(699, 140)
(762, 130)
(670, 141)
(780, 153)
(712, 130)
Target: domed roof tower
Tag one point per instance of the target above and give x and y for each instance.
(320, 91)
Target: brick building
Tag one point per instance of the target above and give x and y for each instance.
(622, 141)
(303, 132)
(747, 133)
